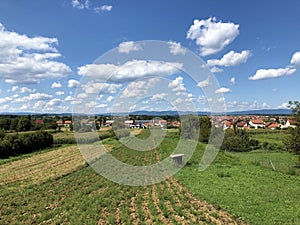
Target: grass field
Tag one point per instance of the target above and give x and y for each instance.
(48, 190)
(272, 137)
(84, 197)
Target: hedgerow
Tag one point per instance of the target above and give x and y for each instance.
(16, 144)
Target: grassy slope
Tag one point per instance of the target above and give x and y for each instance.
(256, 194)
(84, 197)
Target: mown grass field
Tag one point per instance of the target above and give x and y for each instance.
(233, 190)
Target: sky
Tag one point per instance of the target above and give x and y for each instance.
(129, 55)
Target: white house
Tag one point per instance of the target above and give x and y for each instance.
(259, 123)
(287, 125)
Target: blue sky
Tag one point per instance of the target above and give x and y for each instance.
(48, 48)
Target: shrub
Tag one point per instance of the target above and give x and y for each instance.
(14, 144)
(122, 133)
(238, 141)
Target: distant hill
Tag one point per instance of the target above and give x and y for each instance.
(262, 112)
(169, 113)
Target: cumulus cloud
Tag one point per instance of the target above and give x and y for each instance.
(80, 4)
(216, 70)
(204, 83)
(73, 83)
(29, 60)
(59, 93)
(175, 48)
(129, 46)
(103, 8)
(135, 89)
(56, 85)
(245, 105)
(21, 89)
(296, 59)
(284, 105)
(34, 97)
(211, 35)
(232, 80)
(138, 89)
(159, 96)
(222, 90)
(232, 58)
(95, 88)
(177, 85)
(272, 73)
(109, 98)
(130, 70)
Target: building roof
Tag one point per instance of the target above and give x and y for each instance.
(273, 125)
(257, 121)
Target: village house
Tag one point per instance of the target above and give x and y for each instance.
(288, 123)
(272, 125)
(257, 123)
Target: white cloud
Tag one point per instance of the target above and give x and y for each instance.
(130, 70)
(103, 8)
(56, 85)
(34, 97)
(29, 60)
(222, 90)
(82, 95)
(109, 98)
(21, 89)
(204, 83)
(139, 89)
(211, 35)
(232, 58)
(244, 105)
(232, 80)
(296, 59)
(73, 83)
(59, 93)
(272, 73)
(101, 106)
(175, 48)
(26, 90)
(69, 98)
(129, 46)
(135, 89)
(15, 88)
(159, 96)
(94, 88)
(284, 105)
(6, 100)
(80, 4)
(216, 70)
(177, 85)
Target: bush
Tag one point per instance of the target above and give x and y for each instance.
(238, 141)
(14, 144)
(122, 133)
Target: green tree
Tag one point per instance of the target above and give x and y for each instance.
(292, 141)
(24, 124)
(190, 127)
(205, 128)
(2, 133)
(13, 124)
(5, 123)
(238, 141)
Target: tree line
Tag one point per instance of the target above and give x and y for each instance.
(26, 123)
(200, 128)
(21, 143)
